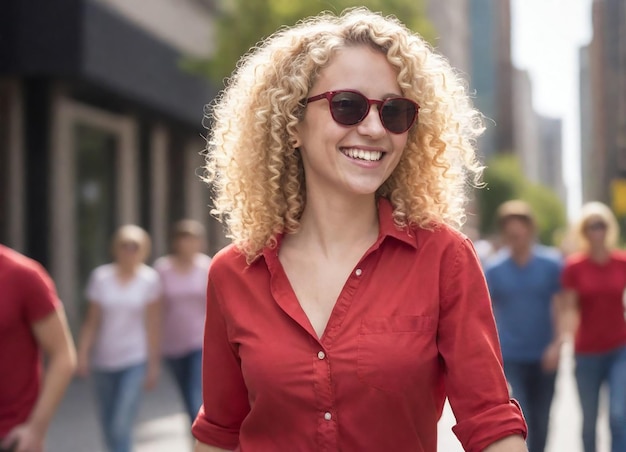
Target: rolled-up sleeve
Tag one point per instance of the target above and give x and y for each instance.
(469, 347)
(225, 398)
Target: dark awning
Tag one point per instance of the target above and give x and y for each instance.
(85, 40)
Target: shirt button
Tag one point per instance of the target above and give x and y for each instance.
(328, 416)
(321, 355)
(358, 272)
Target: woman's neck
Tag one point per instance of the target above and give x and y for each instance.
(126, 271)
(183, 261)
(599, 254)
(332, 225)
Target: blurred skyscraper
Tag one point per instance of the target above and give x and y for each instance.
(492, 70)
(603, 106)
(450, 19)
(475, 35)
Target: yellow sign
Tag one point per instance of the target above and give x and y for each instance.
(618, 188)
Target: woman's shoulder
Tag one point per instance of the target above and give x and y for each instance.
(147, 272)
(163, 263)
(229, 258)
(103, 271)
(203, 261)
(619, 255)
(576, 259)
(440, 234)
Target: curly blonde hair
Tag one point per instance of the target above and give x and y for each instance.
(252, 162)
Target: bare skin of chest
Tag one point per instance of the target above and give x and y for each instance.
(317, 283)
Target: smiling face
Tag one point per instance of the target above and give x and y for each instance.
(350, 160)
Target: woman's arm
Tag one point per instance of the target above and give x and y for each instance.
(153, 331)
(467, 341)
(201, 447)
(552, 353)
(567, 313)
(87, 337)
(513, 443)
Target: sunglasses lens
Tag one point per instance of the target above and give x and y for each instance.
(131, 247)
(597, 226)
(348, 108)
(398, 115)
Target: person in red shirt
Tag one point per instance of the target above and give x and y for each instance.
(594, 280)
(348, 305)
(32, 321)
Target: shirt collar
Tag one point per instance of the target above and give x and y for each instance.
(386, 228)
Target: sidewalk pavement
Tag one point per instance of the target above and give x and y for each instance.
(163, 426)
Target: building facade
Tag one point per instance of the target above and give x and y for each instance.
(526, 135)
(492, 72)
(450, 20)
(589, 163)
(550, 131)
(605, 178)
(99, 127)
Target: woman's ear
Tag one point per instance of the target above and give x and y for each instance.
(296, 142)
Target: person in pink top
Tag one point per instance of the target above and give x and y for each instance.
(593, 313)
(184, 279)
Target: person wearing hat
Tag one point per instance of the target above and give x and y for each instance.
(523, 280)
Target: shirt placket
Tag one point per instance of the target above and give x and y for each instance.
(328, 417)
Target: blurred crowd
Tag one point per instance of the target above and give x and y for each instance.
(543, 297)
(138, 317)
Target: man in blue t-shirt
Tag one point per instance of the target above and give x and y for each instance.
(524, 279)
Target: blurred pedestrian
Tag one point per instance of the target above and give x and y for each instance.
(119, 340)
(32, 323)
(348, 306)
(524, 279)
(184, 275)
(594, 280)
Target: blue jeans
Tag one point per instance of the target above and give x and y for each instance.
(118, 394)
(533, 388)
(187, 371)
(592, 370)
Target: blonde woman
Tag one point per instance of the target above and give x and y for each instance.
(119, 340)
(348, 306)
(594, 280)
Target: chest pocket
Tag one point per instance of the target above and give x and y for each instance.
(396, 351)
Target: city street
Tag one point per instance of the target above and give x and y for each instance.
(163, 425)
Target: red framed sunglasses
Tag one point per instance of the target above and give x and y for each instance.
(349, 107)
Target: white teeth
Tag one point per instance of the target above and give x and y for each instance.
(371, 156)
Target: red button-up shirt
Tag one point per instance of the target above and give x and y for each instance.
(412, 324)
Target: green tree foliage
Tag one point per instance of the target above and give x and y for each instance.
(504, 180)
(241, 24)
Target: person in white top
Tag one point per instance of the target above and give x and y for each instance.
(119, 340)
(184, 275)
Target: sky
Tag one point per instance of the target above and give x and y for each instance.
(546, 36)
